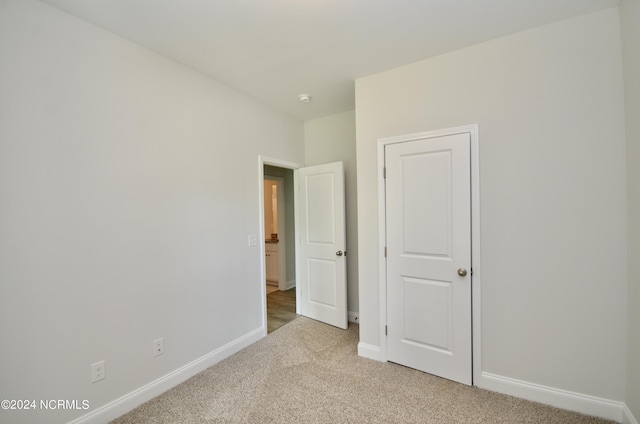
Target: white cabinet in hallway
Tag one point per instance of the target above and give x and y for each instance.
(272, 262)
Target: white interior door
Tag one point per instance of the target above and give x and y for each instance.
(428, 207)
(321, 254)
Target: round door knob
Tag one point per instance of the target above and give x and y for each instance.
(339, 253)
(462, 272)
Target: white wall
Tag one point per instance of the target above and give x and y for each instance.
(332, 139)
(630, 23)
(549, 104)
(128, 187)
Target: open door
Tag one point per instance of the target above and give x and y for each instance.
(321, 258)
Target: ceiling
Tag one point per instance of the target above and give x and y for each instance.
(274, 50)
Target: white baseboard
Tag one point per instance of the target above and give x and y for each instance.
(289, 285)
(147, 392)
(370, 352)
(627, 416)
(353, 317)
(572, 401)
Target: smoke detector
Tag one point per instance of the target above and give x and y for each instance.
(305, 98)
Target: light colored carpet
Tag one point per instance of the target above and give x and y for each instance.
(309, 372)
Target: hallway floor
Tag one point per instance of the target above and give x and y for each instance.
(281, 308)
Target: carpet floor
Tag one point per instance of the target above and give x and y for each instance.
(309, 372)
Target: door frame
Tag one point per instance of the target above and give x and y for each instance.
(475, 238)
(262, 161)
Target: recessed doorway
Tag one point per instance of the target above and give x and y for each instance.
(279, 228)
(313, 216)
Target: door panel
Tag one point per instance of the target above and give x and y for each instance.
(322, 274)
(320, 208)
(322, 282)
(427, 224)
(428, 239)
(428, 309)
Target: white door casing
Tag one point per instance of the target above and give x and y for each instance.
(321, 255)
(428, 238)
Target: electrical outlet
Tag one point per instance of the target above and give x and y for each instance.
(98, 371)
(253, 240)
(158, 346)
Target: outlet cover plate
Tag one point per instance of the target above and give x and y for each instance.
(158, 347)
(98, 371)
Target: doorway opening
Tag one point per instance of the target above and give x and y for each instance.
(279, 246)
(314, 239)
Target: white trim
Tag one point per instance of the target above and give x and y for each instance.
(572, 401)
(126, 403)
(371, 352)
(353, 317)
(266, 160)
(475, 237)
(382, 242)
(290, 284)
(476, 261)
(627, 416)
(296, 217)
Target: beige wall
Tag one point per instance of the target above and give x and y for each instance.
(333, 139)
(549, 104)
(630, 23)
(128, 187)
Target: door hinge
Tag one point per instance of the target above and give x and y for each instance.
(385, 251)
(386, 330)
(384, 172)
